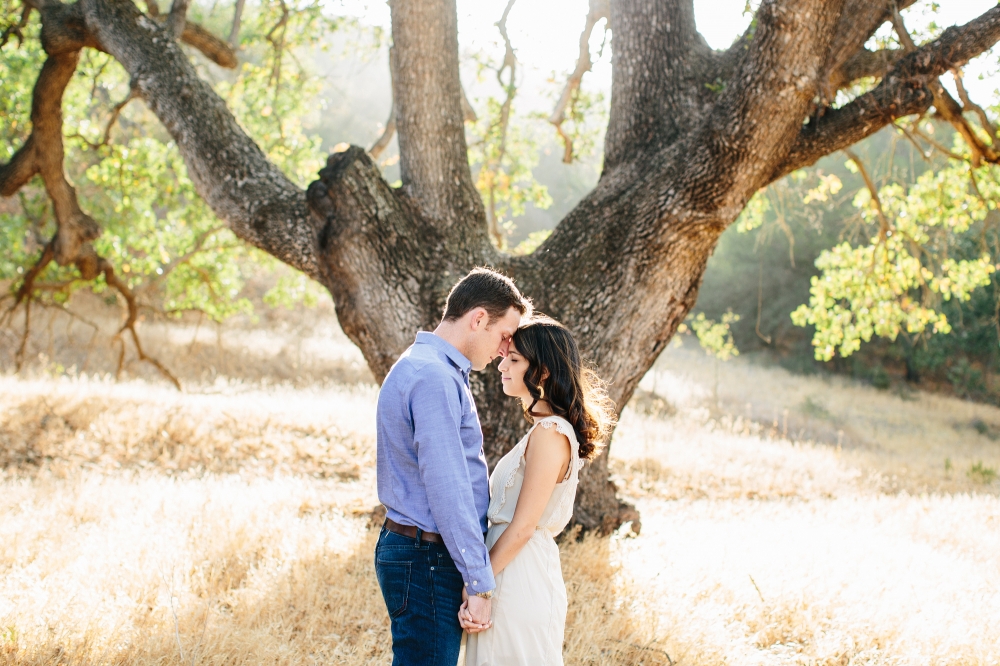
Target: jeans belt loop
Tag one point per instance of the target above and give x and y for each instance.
(420, 533)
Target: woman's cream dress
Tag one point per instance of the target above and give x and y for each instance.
(529, 604)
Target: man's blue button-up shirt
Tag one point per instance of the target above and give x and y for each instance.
(432, 471)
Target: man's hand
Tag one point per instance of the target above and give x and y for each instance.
(474, 615)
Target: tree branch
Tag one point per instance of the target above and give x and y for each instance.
(115, 113)
(21, 168)
(946, 105)
(865, 63)
(211, 47)
(75, 227)
(908, 132)
(967, 102)
(653, 99)
(386, 137)
(884, 225)
(468, 113)
(229, 171)
(599, 9)
(768, 95)
(16, 29)
(234, 33)
(434, 164)
(858, 22)
(23, 296)
(278, 44)
(902, 92)
(390, 124)
(131, 320)
(510, 90)
(177, 18)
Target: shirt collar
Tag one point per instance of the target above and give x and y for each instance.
(456, 357)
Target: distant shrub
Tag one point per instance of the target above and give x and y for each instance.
(981, 473)
(967, 380)
(880, 378)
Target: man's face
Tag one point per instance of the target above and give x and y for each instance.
(493, 339)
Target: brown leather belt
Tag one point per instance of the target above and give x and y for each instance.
(411, 531)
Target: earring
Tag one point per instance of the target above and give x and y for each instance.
(541, 392)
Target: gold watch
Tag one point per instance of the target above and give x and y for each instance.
(485, 595)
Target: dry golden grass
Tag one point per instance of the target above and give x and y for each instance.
(146, 526)
(229, 524)
(900, 440)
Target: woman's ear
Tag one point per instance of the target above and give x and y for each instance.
(545, 374)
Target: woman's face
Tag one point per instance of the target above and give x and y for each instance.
(512, 369)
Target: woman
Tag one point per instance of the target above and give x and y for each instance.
(532, 490)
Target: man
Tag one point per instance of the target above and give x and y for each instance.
(432, 473)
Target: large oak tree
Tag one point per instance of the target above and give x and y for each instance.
(693, 133)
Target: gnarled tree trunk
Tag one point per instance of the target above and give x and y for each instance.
(693, 134)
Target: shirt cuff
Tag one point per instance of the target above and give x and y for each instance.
(480, 580)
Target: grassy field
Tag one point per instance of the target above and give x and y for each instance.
(785, 520)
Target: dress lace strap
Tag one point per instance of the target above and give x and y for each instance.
(563, 427)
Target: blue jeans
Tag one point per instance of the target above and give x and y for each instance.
(423, 592)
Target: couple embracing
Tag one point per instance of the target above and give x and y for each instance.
(463, 552)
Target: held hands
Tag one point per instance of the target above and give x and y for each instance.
(474, 615)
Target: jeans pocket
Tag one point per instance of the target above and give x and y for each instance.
(394, 579)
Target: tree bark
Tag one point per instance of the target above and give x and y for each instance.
(692, 135)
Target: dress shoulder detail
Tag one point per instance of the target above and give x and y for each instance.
(560, 424)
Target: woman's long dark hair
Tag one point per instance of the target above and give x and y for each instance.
(572, 390)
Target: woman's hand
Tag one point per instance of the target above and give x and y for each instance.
(465, 617)
(466, 622)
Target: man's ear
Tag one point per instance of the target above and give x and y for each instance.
(478, 318)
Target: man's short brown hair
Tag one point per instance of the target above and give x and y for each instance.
(487, 289)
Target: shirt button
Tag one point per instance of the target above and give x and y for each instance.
(463, 550)
(475, 582)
